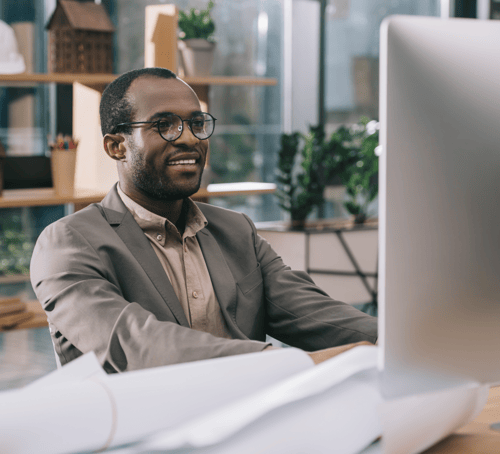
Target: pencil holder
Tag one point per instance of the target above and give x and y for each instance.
(63, 164)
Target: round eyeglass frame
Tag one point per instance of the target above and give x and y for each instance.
(157, 122)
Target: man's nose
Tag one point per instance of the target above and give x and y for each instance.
(187, 137)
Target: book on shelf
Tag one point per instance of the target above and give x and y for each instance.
(13, 311)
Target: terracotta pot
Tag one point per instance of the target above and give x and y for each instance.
(63, 163)
(197, 56)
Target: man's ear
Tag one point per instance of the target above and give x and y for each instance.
(114, 146)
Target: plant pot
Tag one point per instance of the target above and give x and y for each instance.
(63, 163)
(359, 218)
(197, 56)
(297, 224)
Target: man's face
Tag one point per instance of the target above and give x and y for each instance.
(153, 165)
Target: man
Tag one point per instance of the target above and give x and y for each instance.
(147, 277)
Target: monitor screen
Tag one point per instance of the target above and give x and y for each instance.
(439, 223)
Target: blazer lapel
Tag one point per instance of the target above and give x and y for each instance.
(123, 223)
(222, 278)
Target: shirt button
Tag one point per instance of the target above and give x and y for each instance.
(159, 237)
(195, 294)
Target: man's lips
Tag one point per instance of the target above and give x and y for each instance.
(184, 159)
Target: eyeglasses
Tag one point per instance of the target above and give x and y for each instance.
(170, 126)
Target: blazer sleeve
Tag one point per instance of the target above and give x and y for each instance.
(299, 313)
(73, 284)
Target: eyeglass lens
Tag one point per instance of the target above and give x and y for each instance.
(201, 125)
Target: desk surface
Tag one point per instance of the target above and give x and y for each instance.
(476, 437)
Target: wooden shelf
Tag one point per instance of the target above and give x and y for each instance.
(96, 79)
(14, 279)
(59, 78)
(15, 198)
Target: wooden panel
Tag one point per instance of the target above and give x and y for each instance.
(202, 93)
(95, 170)
(161, 37)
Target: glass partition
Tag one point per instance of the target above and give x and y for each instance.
(249, 42)
(352, 53)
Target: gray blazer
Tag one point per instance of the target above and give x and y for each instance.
(104, 289)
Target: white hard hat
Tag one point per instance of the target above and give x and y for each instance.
(11, 61)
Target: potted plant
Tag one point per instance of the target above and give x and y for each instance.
(360, 175)
(197, 44)
(302, 174)
(306, 163)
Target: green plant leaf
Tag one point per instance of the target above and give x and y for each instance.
(197, 23)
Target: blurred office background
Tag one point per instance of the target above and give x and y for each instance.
(333, 80)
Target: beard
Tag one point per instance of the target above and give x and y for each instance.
(155, 183)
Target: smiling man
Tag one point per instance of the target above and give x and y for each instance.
(148, 277)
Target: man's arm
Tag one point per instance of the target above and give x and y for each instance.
(303, 315)
(84, 302)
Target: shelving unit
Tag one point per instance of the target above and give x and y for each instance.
(95, 172)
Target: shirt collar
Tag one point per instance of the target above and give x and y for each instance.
(155, 225)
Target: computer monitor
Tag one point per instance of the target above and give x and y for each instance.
(439, 210)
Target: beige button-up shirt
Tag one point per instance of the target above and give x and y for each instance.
(184, 264)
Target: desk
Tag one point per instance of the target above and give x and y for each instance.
(475, 437)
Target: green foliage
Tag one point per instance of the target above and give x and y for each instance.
(360, 177)
(15, 248)
(348, 155)
(302, 175)
(197, 24)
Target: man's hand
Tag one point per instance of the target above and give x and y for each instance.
(322, 355)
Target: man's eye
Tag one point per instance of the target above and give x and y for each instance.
(165, 124)
(198, 123)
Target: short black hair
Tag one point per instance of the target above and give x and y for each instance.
(115, 107)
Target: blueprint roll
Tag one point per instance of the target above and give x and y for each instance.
(101, 411)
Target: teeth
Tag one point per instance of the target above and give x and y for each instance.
(183, 162)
